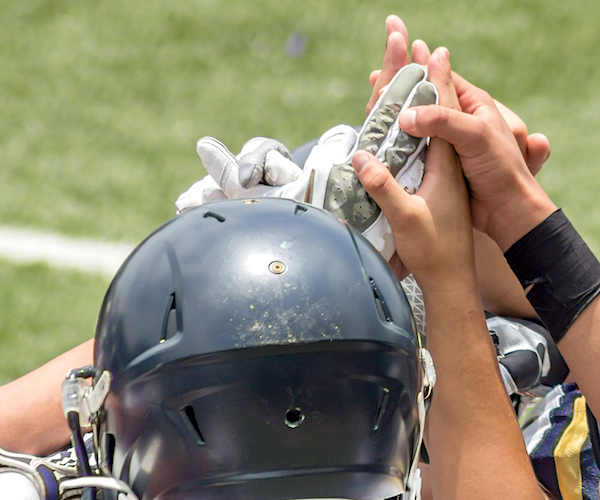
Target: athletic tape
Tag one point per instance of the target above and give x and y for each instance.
(558, 271)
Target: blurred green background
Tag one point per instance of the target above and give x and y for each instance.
(101, 104)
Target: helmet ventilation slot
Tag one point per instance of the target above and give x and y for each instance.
(384, 398)
(170, 324)
(189, 417)
(300, 210)
(214, 215)
(382, 307)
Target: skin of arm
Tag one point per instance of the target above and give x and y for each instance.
(581, 349)
(499, 289)
(468, 435)
(31, 417)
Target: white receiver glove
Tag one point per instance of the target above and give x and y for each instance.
(261, 163)
(265, 168)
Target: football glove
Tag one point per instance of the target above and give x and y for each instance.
(529, 360)
(265, 167)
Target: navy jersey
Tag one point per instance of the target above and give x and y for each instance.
(556, 434)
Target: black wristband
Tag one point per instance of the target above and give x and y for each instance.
(562, 271)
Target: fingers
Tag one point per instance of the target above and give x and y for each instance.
(447, 121)
(203, 191)
(373, 77)
(440, 74)
(462, 130)
(395, 57)
(535, 148)
(441, 158)
(442, 170)
(219, 162)
(393, 24)
(420, 52)
(380, 130)
(470, 97)
(266, 161)
(538, 151)
(517, 126)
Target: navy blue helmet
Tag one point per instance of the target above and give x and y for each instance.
(259, 350)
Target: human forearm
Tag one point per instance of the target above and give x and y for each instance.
(31, 418)
(471, 418)
(500, 290)
(581, 349)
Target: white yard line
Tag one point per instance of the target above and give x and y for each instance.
(28, 246)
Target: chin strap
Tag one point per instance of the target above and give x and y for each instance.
(414, 481)
(81, 404)
(35, 478)
(103, 482)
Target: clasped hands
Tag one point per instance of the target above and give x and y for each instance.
(265, 167)
(432, 229)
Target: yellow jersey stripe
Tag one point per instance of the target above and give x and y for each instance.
(567, 453)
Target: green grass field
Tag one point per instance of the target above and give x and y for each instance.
(101, 103)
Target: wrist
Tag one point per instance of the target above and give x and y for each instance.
(558, 270)
(458, 294)
(516, 216)
(453, 275)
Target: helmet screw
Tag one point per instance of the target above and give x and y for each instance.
(277, 267)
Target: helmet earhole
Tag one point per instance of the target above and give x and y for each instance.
(294, 417)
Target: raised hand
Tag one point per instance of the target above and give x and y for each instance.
(506, 200)
(328, 179)
(534, 147)
(432, 228)
(261, 164)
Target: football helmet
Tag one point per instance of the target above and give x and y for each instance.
(259, 350)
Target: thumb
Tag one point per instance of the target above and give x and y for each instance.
(219, 163)
(538, 151)
(462, 130)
